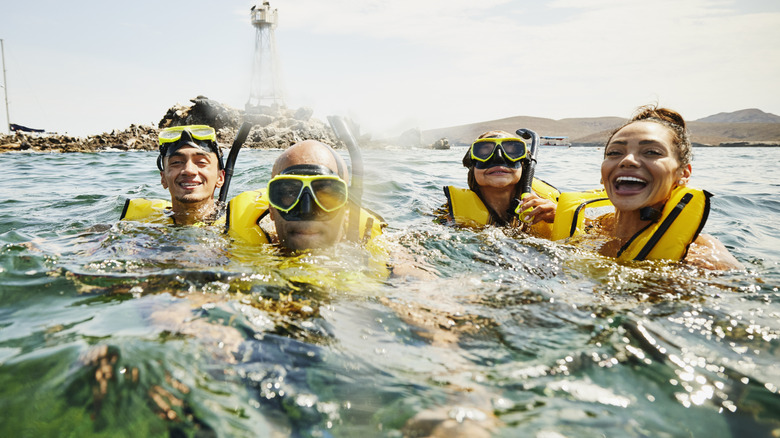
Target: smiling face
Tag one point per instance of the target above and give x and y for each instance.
(641, 167)
(498, 177)
(497, 174)
(191, 175)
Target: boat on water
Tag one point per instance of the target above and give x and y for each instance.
(19, 128)
(13, 127)
(555, 141)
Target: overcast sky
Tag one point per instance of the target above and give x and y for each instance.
(86, 67)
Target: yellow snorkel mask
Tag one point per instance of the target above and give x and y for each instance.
(203, 137)
(292, 191)
(485, 151)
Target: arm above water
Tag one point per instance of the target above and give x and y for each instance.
(709, 253)
(542, 209)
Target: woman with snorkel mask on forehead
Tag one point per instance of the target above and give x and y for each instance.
(495, 194)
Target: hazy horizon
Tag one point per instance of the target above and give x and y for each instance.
(97, 67)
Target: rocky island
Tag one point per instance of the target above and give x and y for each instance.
(279, 127)
(273, 128)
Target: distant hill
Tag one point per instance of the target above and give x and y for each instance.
(752, 115)
(750, 125)
(572, 128)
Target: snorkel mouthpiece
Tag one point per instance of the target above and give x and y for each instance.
(306, 206)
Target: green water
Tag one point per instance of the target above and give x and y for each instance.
(123, 329)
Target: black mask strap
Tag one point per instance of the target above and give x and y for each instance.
(307, 169)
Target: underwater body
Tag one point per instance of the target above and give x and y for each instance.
(129, 329)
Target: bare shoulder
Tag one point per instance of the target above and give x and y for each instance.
(709, 253)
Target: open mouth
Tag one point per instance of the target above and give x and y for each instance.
(629, 184)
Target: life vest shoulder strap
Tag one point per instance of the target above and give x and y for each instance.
(371, 224)
(669, 237)
(682, 219)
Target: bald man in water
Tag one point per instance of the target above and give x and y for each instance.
(307, 225)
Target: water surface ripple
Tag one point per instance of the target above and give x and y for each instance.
(123, 329)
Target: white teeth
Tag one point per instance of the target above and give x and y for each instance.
(628, 179)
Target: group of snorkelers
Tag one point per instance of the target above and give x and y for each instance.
(306, 197)
(646, 210)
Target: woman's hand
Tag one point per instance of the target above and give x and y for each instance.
(541, 209)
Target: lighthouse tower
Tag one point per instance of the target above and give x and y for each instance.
(266, 86)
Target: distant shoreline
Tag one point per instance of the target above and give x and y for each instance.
(278, 127)
(741, 144)
(696, 145)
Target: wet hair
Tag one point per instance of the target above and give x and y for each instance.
(681, 139)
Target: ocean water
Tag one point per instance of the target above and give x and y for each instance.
(123, 329)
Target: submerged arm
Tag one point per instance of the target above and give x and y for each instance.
(709, 253)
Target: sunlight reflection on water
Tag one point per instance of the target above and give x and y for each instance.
(148, 330)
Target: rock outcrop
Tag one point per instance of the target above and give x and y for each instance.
(442, 143)
(274, 127)
(135, 137)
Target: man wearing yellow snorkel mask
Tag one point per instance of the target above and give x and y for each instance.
(307, 194)
(307, 199)
(191, 168)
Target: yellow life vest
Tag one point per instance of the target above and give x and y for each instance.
(467, 209)
(574, 208)
(153, 211)
(156, 211)
(245, 211)
(668, 237)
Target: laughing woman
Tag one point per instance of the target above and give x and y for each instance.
(645, 172)
(495, 162)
